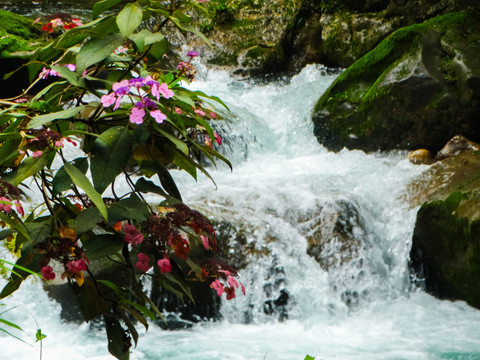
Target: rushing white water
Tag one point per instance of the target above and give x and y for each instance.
(286, 188)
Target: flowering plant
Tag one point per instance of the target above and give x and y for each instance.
(105, 88)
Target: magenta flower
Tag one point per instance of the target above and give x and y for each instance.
(48, 273)
(108, 100)
(164, 265)
(37, 153)
(178, 110)
(165, 91)
(136, 117)
(205, 242)
(212, 115)
(19, 208)
(132, 235)
(193, 54)
(121, 88)
(217, 285)
(71, 67)
(158, 116)
(76, 266)
(142, 263)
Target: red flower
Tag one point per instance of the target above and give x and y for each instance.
(48, 273)
(142, 263)
(48, 27)
(164, 265)
(217, 285)
(230, 291)
(132, 235)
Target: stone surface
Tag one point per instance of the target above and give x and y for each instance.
(416, 89)
(445, 254)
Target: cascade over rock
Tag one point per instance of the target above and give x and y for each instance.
(445, 250)
(416, 89)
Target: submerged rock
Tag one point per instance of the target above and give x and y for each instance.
(418, 88)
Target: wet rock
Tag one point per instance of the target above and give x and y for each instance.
(455, 146)
(420, 156)
(416, 89)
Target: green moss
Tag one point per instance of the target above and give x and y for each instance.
(16, 33)
(224, 58)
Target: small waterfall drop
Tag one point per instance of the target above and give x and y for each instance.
(322, 238)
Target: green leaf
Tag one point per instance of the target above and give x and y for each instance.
(29, 167)
(38, 121)
(129, 18)
(86, 221)
(145, 38)
(101, 6)
(99, 246)
(182, 17)
(159, 49)
(39, 336)
(146, 186)
(110, 153)
(131, 208)
(62, 181)
(142, 309)
(164, 176)
(118, 344)
(308, 357)
(8, 323)
(70, 76)
(82, 182)
(14, 225)
(96, 50)
(190, 28)
(11, 287)
(179, 281)
(176, 141)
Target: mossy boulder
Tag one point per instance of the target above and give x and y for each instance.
(418, 88)
(445, 252)
(18, 37)
(247, 36)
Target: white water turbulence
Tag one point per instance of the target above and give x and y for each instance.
(322, 240)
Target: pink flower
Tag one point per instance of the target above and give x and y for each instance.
(165, 91)
(158, 116)
(19, 208)
(199, 112)
(232, 282)
(5, 204)
(217, 285)
(59, 143)
(164, 265)
(142, 263)
(193, 54)
(77, 22)
(121, 50)
(132, 235)
(208, 142)
(76, 266)
(108, 100)
(212, 115)
(48, 273)
(178, 110)
(136, 117)
(205, 242)
(218, 139)
(56, 22)
(37, 153)
(71, 67)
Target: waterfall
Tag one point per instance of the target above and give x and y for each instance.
(324, 246)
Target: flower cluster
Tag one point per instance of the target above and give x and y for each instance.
(138, 90)
(65, 250)
(67, 23)
(42, 140)
(8, 195)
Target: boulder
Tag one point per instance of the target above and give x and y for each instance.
(418, 88)
(445, 254)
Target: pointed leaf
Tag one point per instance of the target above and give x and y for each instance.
(101, 6)
(82, 182)
(129, 18)
(110, 153)
(118, 344)
(99, 246)
(38, 121)
(96, 50)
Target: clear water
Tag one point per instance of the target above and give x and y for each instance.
(282, 181)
